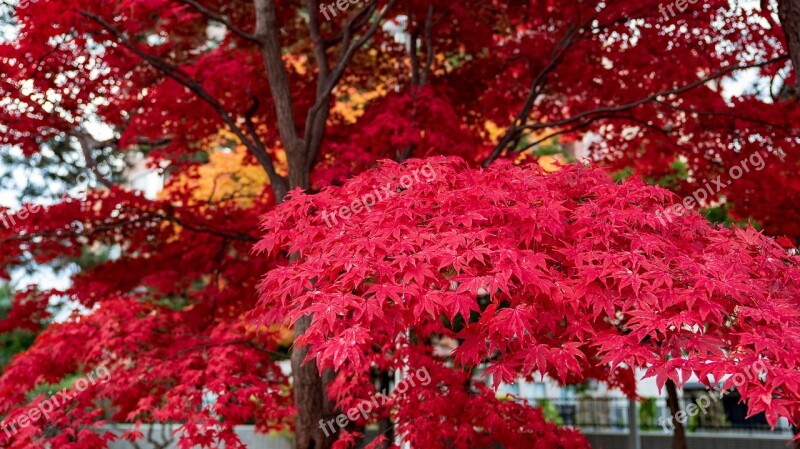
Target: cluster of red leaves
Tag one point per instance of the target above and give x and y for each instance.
(161, 370)
(487, 56)
(165, 317)
(28, 312)
(532, 273)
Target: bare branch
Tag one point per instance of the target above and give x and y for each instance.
(160, 142)
(581, 125)
(418, 76)
(789, 14)
(358, 20)
(219, 18)
(319, 43)
(596, 114)
(743, 118)
(239, 342)
(412, 54)
(655, 96)
(512, 135)
(268, 32)
(313, 121)
(174, 72)
(428, 46)
(248, 118)
(317, 118)
(147, 217)
(87, 144)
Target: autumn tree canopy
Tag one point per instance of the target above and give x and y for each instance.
(167, 287)
(566, 274)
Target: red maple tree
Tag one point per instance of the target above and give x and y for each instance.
(168, 315)
(566, 274)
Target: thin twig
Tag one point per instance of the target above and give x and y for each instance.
(628, 106)
(220, 19)
(255, 147)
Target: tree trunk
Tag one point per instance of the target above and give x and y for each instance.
(309, 398)
(311, 402)
(299, 176)
(789, 14)
(679, 436)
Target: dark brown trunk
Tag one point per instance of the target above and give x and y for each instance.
(789, 14)
(314, 409)
(298, 173)
(310, 399)
(312, 405)
(679, 436)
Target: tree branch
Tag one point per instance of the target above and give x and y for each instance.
(220, 19)
(88, 143)
(428, 46)
(655, 96)
(319, 43)
(358, 20)
(154, 143)
(122, 223)
(255, 146)
(242, 342)
(789, 14)
(512, 135)
(412, 54)
(315, 125)
(313, 122)
(634, 104)
(731, 115)
(267, 32)
(418, 76)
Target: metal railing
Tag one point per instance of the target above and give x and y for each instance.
(603, 414)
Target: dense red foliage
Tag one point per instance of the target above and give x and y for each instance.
(587, 61)
(559, 274)
(167, 313)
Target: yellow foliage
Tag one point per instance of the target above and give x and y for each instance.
(298, 63)
(351, 102)
(550, 163)
(494, 132)
(227, 176)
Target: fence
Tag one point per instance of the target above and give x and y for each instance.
(606, 422)
(604, 414)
